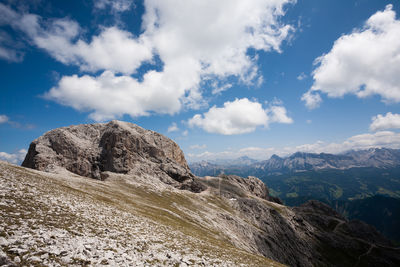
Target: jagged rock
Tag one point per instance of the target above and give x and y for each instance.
(310, 235)
(232, 186)
(91, 150)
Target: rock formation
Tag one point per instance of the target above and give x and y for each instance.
(92, 150)
(310, 235)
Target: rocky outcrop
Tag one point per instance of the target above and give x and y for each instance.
(232, 186)
(91, 150)
(310, 235)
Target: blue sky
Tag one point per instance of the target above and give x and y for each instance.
(222, 79)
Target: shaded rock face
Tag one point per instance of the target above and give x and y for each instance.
(119, 147)
(310, 235)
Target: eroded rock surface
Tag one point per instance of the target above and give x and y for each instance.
(92, 149)
(310, 235)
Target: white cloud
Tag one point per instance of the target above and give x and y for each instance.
(195, 40)
(3, 119)
(301, 76)
(363, 141)
(365, 62)
(198, 146)
(312, 99)
(185, 133)
(278, 114)
(239, 117)
(218, 89)
(383, 122)
(109, 96)
(115, 5)
(173, 128)
(15, 158)
(113, 49)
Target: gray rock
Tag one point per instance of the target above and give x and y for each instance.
(17, 259)
(34, 259)
(3, 241)
(120, 147)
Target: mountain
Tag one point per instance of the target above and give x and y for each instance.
(216, 167)
(346, 180)
(118, 194)
(300, 161)
(241, 161)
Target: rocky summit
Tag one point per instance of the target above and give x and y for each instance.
(112, 194)
(92, 150)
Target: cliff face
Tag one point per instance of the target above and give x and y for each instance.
(92, 150)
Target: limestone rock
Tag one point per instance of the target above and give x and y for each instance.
(232, 186)
(91, 150)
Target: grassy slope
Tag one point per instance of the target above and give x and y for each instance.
(80, 206)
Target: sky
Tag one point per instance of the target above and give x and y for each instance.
(223, 79)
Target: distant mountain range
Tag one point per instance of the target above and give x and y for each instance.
(300, 161)
(350, 182)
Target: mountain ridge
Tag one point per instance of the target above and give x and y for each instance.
(138, 186)
(305, 161)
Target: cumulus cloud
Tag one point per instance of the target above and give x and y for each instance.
(238, 117)
(384, 122)
(15, 158)
(194, 40)
(109, 95)
(365, 62)
(278, 114)
(312, 99)
(363, 141)
(3, 119)
(173, 127)
(113, 49)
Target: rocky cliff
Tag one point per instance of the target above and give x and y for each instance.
(218, 215)
(92, 150)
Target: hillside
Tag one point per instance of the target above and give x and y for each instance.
(339, 184)
(146, 208)
(68, 219)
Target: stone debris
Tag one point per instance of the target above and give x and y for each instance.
(42, 222)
